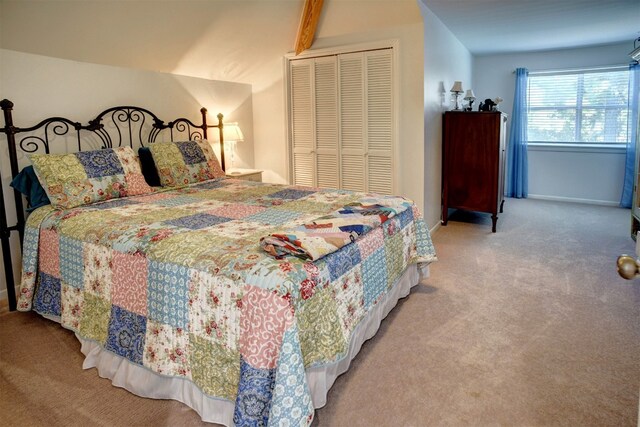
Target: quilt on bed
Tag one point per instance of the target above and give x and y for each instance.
(176, 281)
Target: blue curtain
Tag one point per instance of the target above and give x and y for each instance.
(629, 169)
(517, 168)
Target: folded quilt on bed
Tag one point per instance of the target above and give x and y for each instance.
(327, 234)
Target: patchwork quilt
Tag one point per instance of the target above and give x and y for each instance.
(331, 232)
(176, 281)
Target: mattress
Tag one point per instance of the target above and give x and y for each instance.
(175, 285)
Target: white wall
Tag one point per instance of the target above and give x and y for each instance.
(578, 174)
(445, 61)
(42, 87)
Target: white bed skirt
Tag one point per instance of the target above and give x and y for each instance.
(146, 383)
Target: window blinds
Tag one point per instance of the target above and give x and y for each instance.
(586, 106)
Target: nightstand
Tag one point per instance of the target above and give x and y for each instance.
(245, 174)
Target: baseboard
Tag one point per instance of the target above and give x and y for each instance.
(573, 200)
(435, 227)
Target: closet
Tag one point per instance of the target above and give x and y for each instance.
(341, 119)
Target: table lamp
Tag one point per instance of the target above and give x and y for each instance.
(232, 134)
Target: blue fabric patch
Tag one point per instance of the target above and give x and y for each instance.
(30, 249)
(290, 193)
(359, 229)
(254, 395)
(342, 260)
(71, 262)
(100, 163)
(48, 295)
(291, 396)
(374, 277)
(191, 152)
(168, 294)
(405, 217)
(273, 216)
(126, 335)
(197, 221)
(115, 203)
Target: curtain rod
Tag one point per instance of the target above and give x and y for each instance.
(573, 70)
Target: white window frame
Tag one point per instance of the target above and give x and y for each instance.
(576, 146)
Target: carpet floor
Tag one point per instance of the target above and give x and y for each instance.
(527, 326)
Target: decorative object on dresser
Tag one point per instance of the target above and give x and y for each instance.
(456, 90)
(246, 174)
(473, 156)
(469, 97)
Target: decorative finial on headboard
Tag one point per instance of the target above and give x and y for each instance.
(5, 104)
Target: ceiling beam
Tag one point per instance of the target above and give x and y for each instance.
(308, 24)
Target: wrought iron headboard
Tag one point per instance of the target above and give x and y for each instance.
(114, 127)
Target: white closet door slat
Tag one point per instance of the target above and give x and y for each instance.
(380, 175)
(351, 69)
(379, 104)
(353, 176)
(327, 170)
(301, 104)
(303, 171)
(326, 103)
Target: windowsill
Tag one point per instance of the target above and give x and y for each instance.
(578, 148)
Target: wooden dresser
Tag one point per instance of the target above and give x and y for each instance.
(473, 162)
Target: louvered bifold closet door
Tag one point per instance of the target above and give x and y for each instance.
(342, 121)
(302, 122)
(379, 121)
(352, 121)
(326, 122)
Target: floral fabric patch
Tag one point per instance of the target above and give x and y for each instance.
(91, 176)
(186, 162)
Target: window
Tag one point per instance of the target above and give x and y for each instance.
(579, 107)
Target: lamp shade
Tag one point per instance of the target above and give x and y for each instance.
(470, 94)
(457, 87)
(232, 132)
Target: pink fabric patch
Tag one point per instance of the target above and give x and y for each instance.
(130, 282)
(136, 184)
(264, 318)
(370, 242)
(215, 168)
(49, 252)
(236, 211)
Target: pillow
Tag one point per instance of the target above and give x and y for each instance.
(87, 177)
(148, 167)
(27, 183)
(182, 163)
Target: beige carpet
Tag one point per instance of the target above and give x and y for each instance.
(527, 326)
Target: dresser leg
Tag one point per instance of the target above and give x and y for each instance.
(501, 205)
(445, 214)
(494, 219)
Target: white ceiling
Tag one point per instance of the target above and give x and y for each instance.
(501, 26)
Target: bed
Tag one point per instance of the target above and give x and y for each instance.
(180, 292)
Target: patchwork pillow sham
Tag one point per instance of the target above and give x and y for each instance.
(186, 162)
(87, 177)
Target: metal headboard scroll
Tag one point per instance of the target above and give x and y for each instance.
(114, 127)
